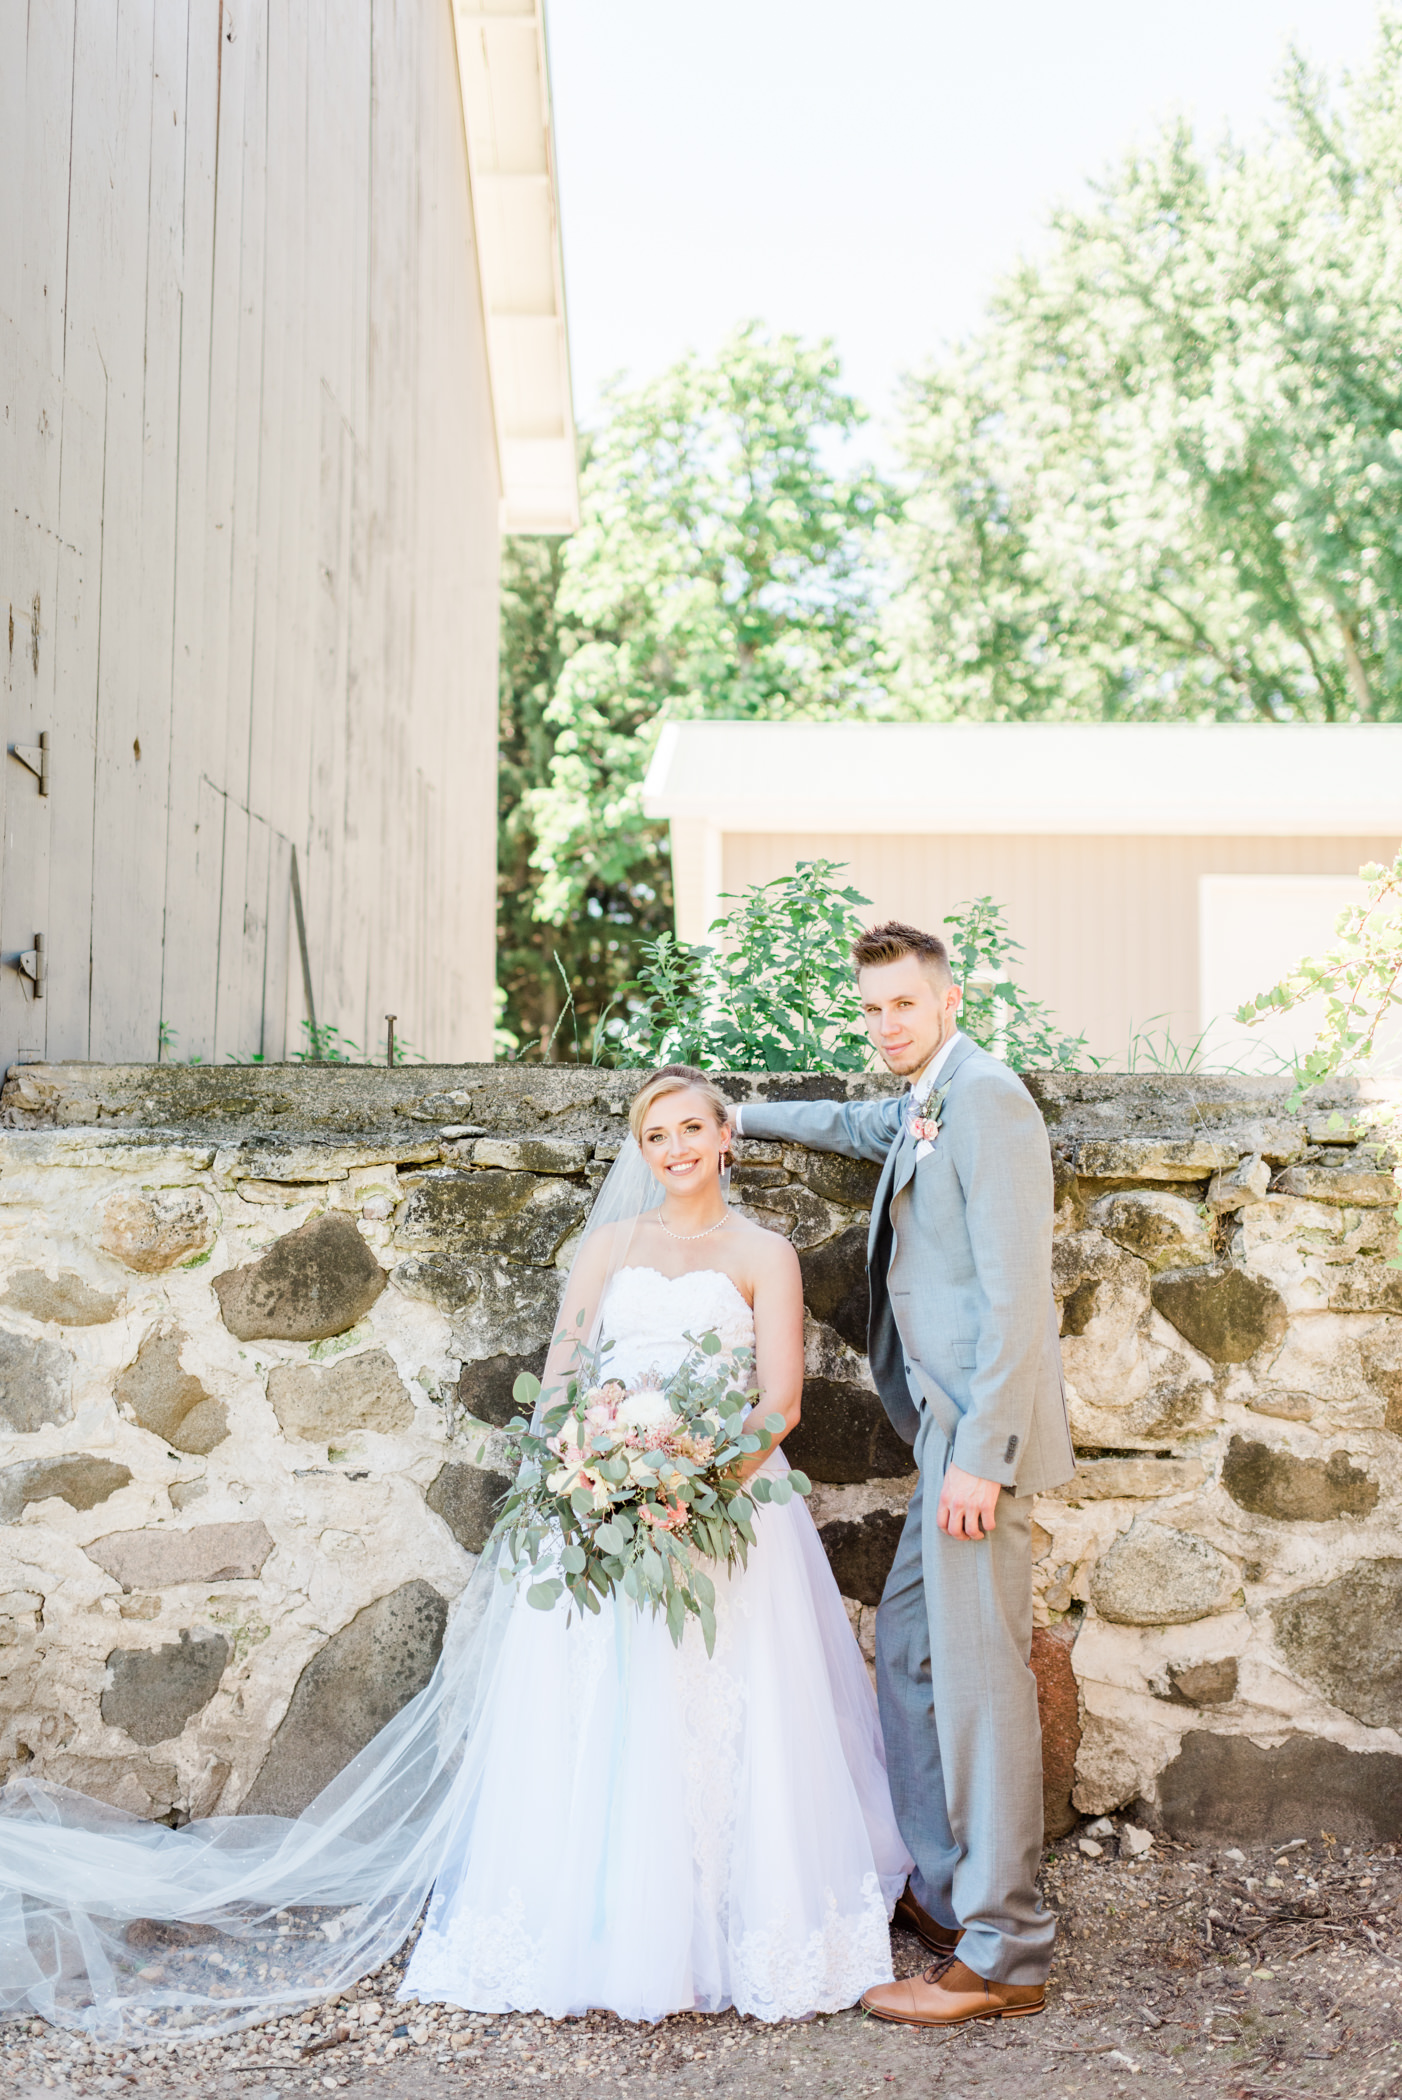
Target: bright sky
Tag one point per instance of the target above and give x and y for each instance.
(866, 170)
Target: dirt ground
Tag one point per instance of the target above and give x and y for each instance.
(1237, 1972)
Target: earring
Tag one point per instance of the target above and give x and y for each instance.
(725, 1164)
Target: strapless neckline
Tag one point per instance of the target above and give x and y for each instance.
(643, 1268)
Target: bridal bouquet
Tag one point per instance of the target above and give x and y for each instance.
(630, 1487)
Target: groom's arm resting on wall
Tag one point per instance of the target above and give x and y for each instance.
(857, 1129)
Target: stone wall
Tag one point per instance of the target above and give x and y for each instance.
(259, 1328)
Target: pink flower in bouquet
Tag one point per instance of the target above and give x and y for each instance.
(670, 1517)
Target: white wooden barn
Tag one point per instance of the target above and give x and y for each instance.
(282, 352)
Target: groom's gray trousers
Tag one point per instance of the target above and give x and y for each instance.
(966, 1768)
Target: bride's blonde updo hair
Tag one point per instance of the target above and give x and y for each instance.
(676, 1079)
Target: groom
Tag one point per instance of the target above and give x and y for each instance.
(963, 1349)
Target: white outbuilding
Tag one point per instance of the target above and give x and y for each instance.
(1156, 874)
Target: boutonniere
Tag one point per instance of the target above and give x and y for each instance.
(925, 1129)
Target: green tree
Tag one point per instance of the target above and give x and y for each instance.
(556, 976)
(1166, 479)
(724, 566)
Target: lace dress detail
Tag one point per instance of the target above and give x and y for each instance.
(645, 1828)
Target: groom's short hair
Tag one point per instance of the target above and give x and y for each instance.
(889, 942)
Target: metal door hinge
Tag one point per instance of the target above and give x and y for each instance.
(36, 757)
(34, 964)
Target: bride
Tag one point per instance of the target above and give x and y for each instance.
(598, 1818)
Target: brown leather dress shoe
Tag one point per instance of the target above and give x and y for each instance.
(948, 1994)
(913, 1917)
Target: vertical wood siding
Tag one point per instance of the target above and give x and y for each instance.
(249, 507)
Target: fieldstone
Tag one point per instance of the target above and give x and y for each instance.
(1345, 1637)
(1339, 1185)
(311, 1284)
(802, 1217)
(1229, 1192)
(1154, 1575)
(1380, 1359)
(1224, 1786)
(1204, 1684)
(485, 1388)
(36, 1382)
(356, 1392)
(81, 1481)
(143, 1786)
(1059, 1708)
(1164, 1231)
(1367, 1286)
(845, 1435)
(851, 1182)
(163, 1559)
(527, 1216)
(835, 1286)
(154, 1229)
(449, 1281)
(1274, 1483)
(1284, 1406)
(64, 1299)
(152, 1692)
(860, 1550)
(347, 1693)
(169, 1400)
(1153, 1159)
(745, 1179)
(512, 1312)
(1094, 1279)
(806, 1086)
(1224, 1312)
(467, 1498)
(541, 1155)
(299, 1167)
(1109, 1479)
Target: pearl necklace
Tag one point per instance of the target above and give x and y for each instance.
(694, 1235)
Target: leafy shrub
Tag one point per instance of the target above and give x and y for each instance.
(776, 992)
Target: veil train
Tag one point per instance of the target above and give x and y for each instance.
(124, 1928)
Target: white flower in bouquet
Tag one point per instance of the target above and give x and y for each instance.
(647, 1407)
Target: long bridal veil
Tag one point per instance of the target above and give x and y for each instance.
(127, 1928)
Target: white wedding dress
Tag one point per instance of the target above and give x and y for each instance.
(643, 1828)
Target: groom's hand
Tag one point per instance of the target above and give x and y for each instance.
(967, 1504)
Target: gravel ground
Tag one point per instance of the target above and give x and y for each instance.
(1239, 1972)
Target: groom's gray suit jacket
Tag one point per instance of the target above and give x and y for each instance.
(959, 1259)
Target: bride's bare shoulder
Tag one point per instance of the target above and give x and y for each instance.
(766, 1253)
(603, 1247)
